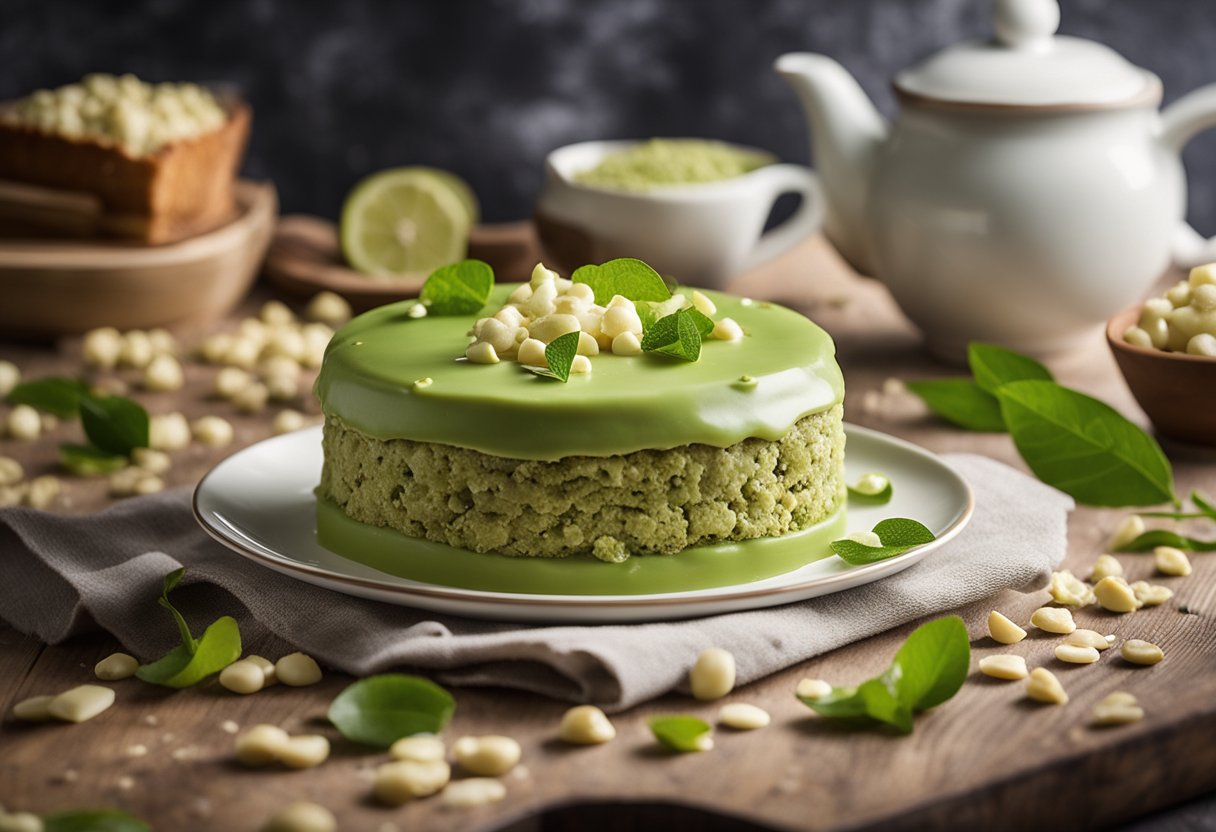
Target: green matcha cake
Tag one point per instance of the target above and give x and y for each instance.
(639, 454)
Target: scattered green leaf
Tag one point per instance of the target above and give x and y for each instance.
(677, 335)
(87, 461)
(114, 424)
(627, 277)
(194, 659)
(1084, 447)
(559, 355)
(93, 820)
(681, 733)
(928, 670)
(458, 288)
(57, 395)
(646, 314)
(961, 402)
(993, 366)
(872, 490)
(897, 534)
(1160, 537)
(380, 710)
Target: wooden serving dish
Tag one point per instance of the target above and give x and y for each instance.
(305, 258)
(66, 287)
(1177, 391)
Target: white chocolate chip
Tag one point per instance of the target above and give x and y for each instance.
(420, 749)
(1003, 630)
(1106, 566)
(1151, 595)
(10, 377)
(713, 674)
(1171, 561)
(230, 381)
(1053, 620)
(34, 709)
(1202, 344)
(328, 308)
(102, 347)
(587, 345)
(287, 421)
(703, 304)
(252, 399)
(741, 715)
(302, 816)
(1077, 654)
(1087, 638)
(1139, 651)
(23, 423)
(1069, 590)
(152, 461)
(260, 745)
(1138, 337)
(116, 666)
(304, 751)
(619, 319)
(213, 430)
(136, 350)
(1043, 686)
(532, 353)
(11, 471)
(163, 373)
(43, 491)
(812, 689)
(243, 677)
(297, 670)
(488, 756)
(168, 432)
(1004, 667)
(1119, 708)
(1128, 530)
(21, 822)
(401, 781)
(727, 330)
(481, 352)
(282, 387)
(585, 725)
(81, 703)
(473, 791)
(626, 344)
(580, 365)
(1116, 595)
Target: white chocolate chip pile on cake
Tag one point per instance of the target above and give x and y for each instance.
(1184, 320)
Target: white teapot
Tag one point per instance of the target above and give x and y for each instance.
(1028, 190)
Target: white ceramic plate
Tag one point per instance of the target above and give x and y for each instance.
(259, 503)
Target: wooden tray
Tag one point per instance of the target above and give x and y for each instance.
(66, 287)
(305, 258)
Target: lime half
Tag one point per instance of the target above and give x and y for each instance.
(407, 221)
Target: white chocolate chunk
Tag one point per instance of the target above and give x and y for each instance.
(713, 674)
(420, 749)
(34, 709)
(1106, 566)
(401, 781)
(1069, 590)
(1004, 667)
(297, 670)
(1139, 651)
(481, 352)
(532, 353)
(261, 745)
(1077, 654)
(489, 756)
(1003, 630)
(473, 791)
(703, 304)
(1043, 686)
(1119, 708)
(1171, 561)
(1116, 595)
(1151, 595)
(743, 716)
(1053, 620)
(1128, 530)
(243, 677)
(81, 703)
(585, 725)
(626, 343)
(1087, 638)
(812, 689)
(727, 330)
(304, 751)
(302, 816)
(116, 666)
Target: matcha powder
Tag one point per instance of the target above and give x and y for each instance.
(665, 162)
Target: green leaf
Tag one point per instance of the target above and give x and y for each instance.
(218, 647)
(993, 366)
(898, 535)
(170, 583)
(87, 461)
(928, 670)
(1083, 447)
(1206, 510)
(1160, 537)
(93, 820)
(703, 323)
(677, 335)
(458, 289)
(681, 733)
(559, 355)
(380, 710)
(961, 402)
(57, 395)
(646, 314)
(864, 494)
(627, 277)
(113, 423)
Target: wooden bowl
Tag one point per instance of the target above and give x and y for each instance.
(1176, 390)
(305, 258)
(67, 287)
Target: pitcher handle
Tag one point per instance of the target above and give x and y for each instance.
(1182, 121)
(785, 179)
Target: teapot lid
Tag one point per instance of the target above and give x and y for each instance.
(1026, 64)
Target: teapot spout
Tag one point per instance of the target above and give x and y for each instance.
(846, 133)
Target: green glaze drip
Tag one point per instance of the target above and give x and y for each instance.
(701, 567)
(625, 404)
(666, 162)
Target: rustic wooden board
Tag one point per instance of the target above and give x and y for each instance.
(987, 759)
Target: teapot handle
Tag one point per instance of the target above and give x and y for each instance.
(1181, 122)
(784, 179)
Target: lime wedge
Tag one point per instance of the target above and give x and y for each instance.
(406, 221)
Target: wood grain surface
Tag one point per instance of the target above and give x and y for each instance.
(987, 759)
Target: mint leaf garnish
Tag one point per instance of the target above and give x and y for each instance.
(458, 289)
(1083, 447)
(928, 670)
(897, 535)
(194, 659)
(646, 314)
(380, 710)
(993, 366)
(1160, 537)
(872, 489)
(559, 355)
(682, 733)
(961, 402)
(114, 424)
(627, 277)
(87, 461)
(57, 395)
(93, 820)
(677, 335)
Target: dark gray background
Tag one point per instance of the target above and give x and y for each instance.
(486, 88)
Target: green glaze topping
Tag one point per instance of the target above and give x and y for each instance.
(665, 162)
(629, 403)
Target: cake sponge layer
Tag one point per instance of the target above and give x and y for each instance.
(645, 502)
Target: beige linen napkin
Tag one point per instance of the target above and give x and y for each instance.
(64, 575)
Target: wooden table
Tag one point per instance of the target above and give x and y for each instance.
(987, 759)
